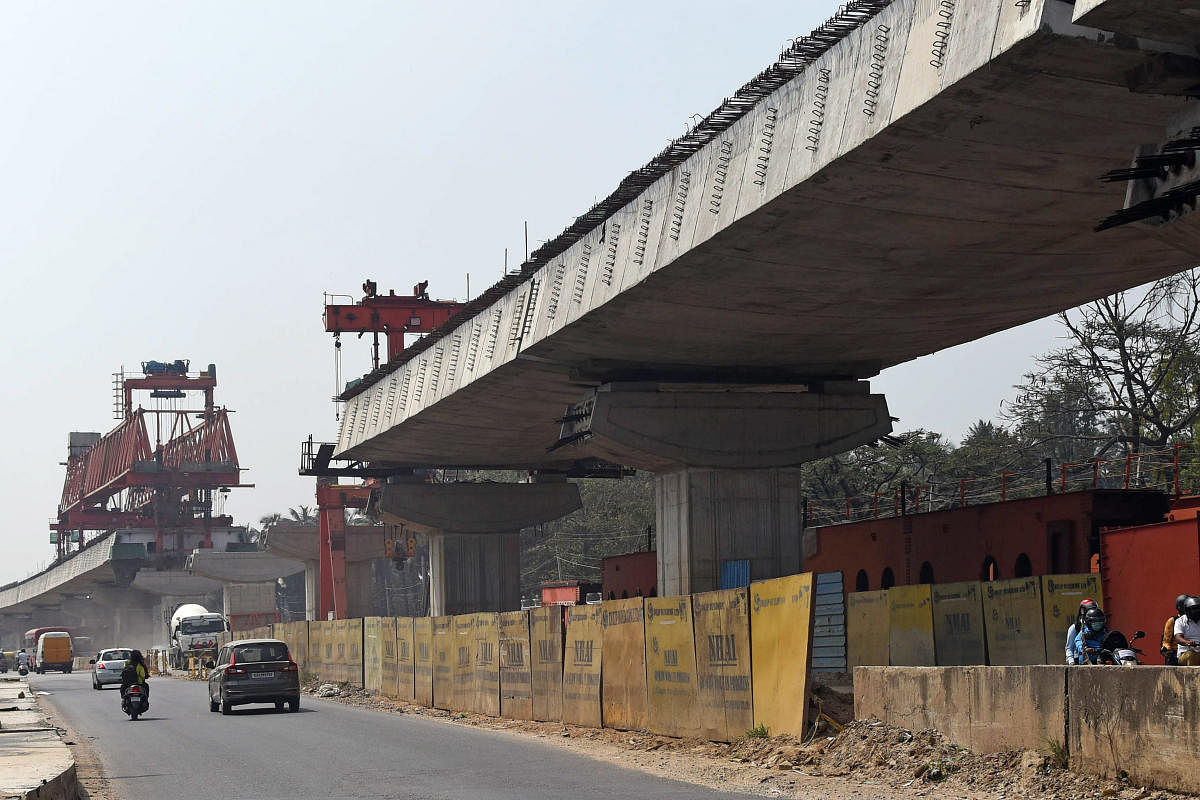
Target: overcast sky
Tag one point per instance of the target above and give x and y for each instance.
(185, 179)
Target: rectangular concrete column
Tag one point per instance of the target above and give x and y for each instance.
(437, 574)
(707, 517)
(470, 572)
(312, 590)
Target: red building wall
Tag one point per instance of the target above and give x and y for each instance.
(1052, 534)
(1144, 569)
(629, 575)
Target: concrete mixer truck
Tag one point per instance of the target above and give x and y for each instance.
(194, 632)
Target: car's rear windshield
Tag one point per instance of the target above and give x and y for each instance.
(115, 655)
(267, 651)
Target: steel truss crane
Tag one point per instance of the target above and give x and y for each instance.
(157, 470)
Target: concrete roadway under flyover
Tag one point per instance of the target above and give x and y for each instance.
(964, 205)
(328, 751)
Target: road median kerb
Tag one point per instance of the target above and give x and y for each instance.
(35, 762)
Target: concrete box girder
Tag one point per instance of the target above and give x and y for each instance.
(962, 207)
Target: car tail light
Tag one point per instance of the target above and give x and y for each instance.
(100, 665)
(232, 670)
(292, 666)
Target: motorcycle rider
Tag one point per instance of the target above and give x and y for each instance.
(1091, 635)
(1074, 655)
(22, 659)
(1168, 650)
(135, 672)
(1187, 633)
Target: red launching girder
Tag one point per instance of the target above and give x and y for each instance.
(202, 457)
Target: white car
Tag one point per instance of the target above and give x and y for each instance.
(108, 665)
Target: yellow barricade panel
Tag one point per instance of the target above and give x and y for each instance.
(339, 641)
(781, 623)
(405, 659)
(721, 622)
(516, 679)
(1016, 629)
(424, 661)
(581, 667)
(671, 667)
(958, 631)
(373, 654)
(868, 629)
(546, 662)
(910, 612)
(464, 663)
(624, 677)
(1061, 596)
(387, 656)
(487, 665)
(318, 639)
(445, 654)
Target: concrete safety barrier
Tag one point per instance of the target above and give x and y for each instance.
(1139, 722)
(1143, 722)
(987, 709)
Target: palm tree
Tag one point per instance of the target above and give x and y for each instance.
(270, 520)
(303, 515)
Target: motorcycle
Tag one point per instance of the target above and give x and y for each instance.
(134, 701)
(1116, 650)
(22, 670)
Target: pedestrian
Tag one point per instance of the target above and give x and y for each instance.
(1168, 649)
(1187, 633)
(1092, 630)
(1074, 655)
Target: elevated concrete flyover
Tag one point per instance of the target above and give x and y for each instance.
(916, 176)
(91, 592)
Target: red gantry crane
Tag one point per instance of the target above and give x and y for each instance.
(156, 472)
(394, 316)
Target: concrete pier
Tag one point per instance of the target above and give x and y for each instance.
(707, 518)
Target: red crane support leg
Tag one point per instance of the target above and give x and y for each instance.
(332, 502)
(333, 559)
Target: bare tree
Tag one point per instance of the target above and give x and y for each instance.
(1127, 379)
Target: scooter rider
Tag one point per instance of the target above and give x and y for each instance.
(1075, 655)
(1091, 635)
(23, 659)
(1187, 633)
(135, 672)
(1169, 650)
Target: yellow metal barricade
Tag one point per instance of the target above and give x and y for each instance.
(781, 623)
(722, 627)
(910, 612)
(671, 667)
(624, 675)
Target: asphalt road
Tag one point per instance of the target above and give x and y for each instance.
(327, 751)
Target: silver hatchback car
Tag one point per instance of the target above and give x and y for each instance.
(107, 666)
(253, 671)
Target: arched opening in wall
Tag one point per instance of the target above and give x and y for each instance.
(624, 594)
(861, 582)
(612, 595)
(888, 580)
(1023, 568)
(926, 572)
(990, 571)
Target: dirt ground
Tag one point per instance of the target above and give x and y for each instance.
(864, 759)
